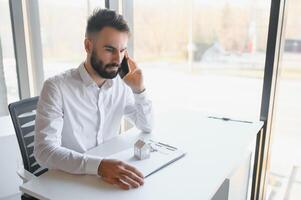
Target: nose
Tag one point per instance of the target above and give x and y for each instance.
(118, 57)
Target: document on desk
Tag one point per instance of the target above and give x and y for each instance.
(161, 156)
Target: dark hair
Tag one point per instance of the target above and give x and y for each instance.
(105, 18)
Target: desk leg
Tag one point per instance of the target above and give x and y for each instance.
(240, 179)
(223, 191)
(27, 197)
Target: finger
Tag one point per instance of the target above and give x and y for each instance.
(129, 181)
(138, 72)
(122, 185)
(134, 170)
(117, 182)
(133, 176)
(132, 64)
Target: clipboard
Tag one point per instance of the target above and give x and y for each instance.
(161, 156)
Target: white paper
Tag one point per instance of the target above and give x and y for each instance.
(158, 159)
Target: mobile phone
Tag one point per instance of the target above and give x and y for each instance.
(124, 68)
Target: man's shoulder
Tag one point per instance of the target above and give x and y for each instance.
(63, 78)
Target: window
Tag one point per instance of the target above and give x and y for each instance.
(285, 167)
(203, 55)
(63, 26)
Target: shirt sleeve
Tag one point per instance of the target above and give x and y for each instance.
(48, 131)
(139, 110)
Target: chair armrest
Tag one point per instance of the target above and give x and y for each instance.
(25, 175)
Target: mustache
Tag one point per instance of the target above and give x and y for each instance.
(112, 65)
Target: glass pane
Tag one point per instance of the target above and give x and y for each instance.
(9, 91)
(203, 55)
(63, 26)
(285, 166)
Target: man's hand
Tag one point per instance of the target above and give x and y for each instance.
(119, 173)
(134, 78)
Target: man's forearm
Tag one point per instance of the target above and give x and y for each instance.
(55, 157)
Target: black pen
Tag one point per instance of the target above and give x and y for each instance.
(229, 119)
(166, 145)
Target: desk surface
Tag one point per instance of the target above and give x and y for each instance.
(214, 149)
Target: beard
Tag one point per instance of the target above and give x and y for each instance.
(101, 68)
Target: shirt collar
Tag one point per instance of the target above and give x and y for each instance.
(88, 81)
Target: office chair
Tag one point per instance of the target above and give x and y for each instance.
(23, 114)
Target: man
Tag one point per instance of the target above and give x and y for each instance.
(83, 107)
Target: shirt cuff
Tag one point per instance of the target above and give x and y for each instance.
(140, 97)
(92, 164)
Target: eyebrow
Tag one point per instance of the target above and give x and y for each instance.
(111, 47)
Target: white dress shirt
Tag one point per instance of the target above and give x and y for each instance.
(75, 115)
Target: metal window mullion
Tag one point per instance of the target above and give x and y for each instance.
(27, 46)
(273, 59)
(18, 30)
(35, 48)
(128, 13)
(3, 88)
(113, 5)
(274, 90)
(107, 3)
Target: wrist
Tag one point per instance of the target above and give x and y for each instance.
(99, 170)
(138, 91)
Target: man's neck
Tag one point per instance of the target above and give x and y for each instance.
(93, 74)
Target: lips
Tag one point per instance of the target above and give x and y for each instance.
(112, 66)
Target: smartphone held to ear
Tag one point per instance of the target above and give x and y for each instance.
(124, 68)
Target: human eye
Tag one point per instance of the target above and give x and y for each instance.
(109, 49)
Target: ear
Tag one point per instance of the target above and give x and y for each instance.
(88, 45)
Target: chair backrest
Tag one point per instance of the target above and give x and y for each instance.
(23, 114)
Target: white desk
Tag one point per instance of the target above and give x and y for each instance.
(214, 149)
